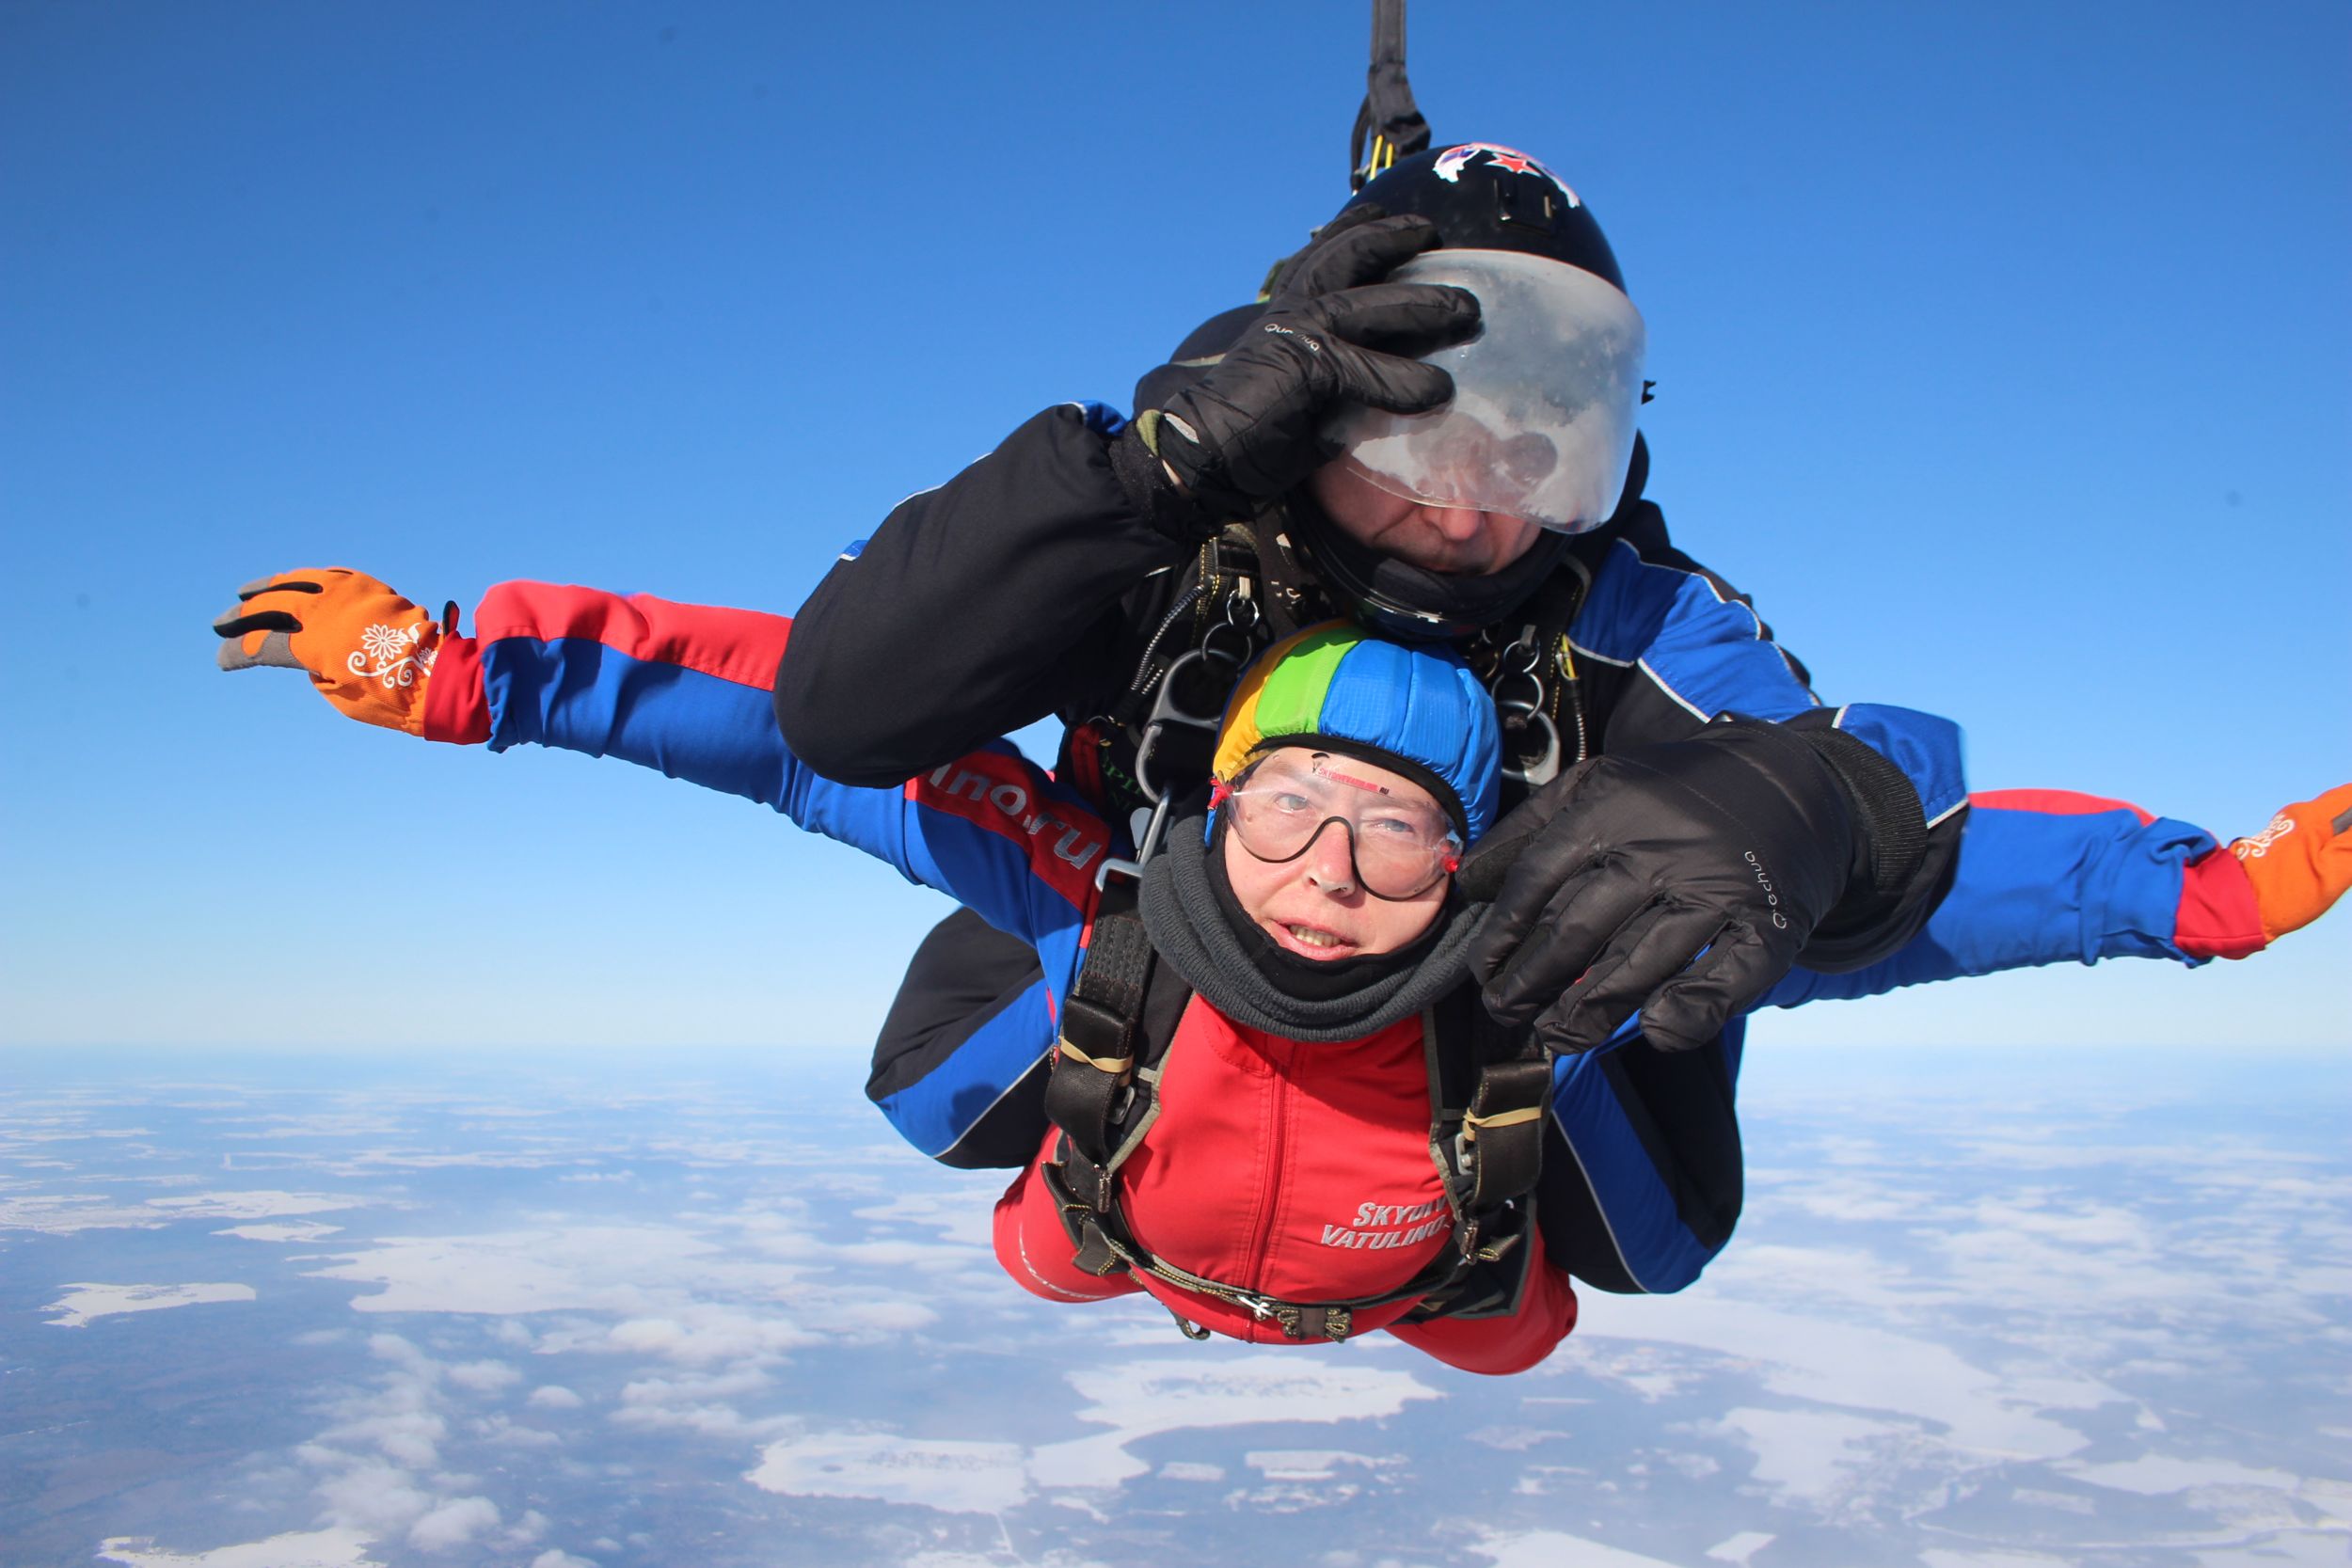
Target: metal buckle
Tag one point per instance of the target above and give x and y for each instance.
(1166, 711)
(1153, 830)
(1238, 633)
(1519, 696)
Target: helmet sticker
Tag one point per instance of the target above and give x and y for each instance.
(1453, 160)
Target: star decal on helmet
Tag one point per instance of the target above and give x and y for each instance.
(1453, 160)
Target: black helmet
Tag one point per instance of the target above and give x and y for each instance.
(1542, 423)
(1483, 197)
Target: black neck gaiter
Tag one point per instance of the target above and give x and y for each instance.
(1311, 979)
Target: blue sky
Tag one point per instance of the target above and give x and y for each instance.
(2002, 355)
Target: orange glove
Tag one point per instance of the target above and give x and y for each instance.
(368, 650)
(2301, 863)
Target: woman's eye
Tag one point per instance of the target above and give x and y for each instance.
(1284, 801)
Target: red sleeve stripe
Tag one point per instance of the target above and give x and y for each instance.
(739, 645)
(2053, 802)
(1000, 794)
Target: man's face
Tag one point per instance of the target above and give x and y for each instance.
(1440, 538)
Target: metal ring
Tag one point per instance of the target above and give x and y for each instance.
(1229, 631)
(1546, 767)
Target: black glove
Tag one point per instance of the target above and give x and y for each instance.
(1311, 270)
(1738, 841)
(1251, 428)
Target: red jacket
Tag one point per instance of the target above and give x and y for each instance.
(1290, 1169)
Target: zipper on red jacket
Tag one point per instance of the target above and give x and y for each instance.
(1271, 1188)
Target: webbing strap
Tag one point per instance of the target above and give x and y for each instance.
(1504, 1129)
(1094, 1250)
(1389, 117)
(1095, 1060)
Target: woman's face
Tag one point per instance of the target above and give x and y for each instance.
(1314, 904)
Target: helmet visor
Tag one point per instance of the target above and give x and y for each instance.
(1545, 397)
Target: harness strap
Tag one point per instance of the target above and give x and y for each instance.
(1503, 1133)
(1106, 1246)
(1095, 1060)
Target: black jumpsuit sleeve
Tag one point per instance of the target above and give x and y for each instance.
(975, 609)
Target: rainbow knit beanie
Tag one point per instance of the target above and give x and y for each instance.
(1416, 710)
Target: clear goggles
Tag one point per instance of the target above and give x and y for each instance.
(1400, 849)
(1541, 422)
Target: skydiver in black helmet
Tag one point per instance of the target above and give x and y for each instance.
(1426, 422)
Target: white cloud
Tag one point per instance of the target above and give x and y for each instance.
(1143, 1399)
(701, 1335)
(482, 1377)
(1185, 1469)
(1549, 1548)
(64, 1213)
(69, 1134)
(559, 1559)
(699, 1402)
(505, 1432)
(379, 1462)
(960, 1216)
(899, 1254)
(368, 1496)
(258, 1204)
(1808, 1456)
(952, 1477)
(81, 1304)
(410, 1438)
(1297, 1465)
(1835, 1362)
(376, 1161)
(695, 1388)
(453, 1524)
(2153, 1475)
(326, 1548)
(300, 1230)
(623, 1271)
(404, 1355)
(554, 1396)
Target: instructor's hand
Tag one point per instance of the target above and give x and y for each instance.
(2301, 862)
(1681, 880)
(368, 650)
(1251, 428)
